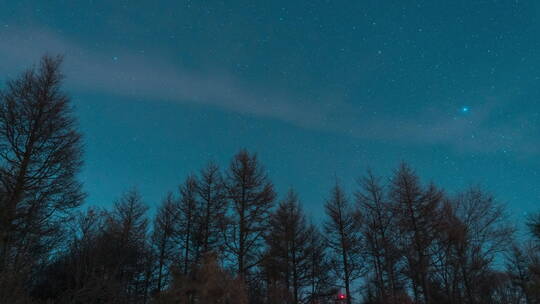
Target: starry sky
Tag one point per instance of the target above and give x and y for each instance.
(319, 89)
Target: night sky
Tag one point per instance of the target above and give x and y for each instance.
(319, 89)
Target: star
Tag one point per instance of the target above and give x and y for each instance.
(465, 109)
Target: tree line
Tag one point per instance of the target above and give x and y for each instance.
(226, 236)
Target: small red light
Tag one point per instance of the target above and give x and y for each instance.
(341, 296)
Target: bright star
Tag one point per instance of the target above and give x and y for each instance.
(465, 109)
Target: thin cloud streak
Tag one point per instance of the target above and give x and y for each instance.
(143, 76)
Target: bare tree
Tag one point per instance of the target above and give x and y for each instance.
(417, 212)
(380, 236)
(343, 238)
(108, 260)
(523, 265)
(82, 272)
(251, 195)
(289, 247)
(188, 208)
(127, 232)
(486, 237)
(446, 276)
(40, 155)
(166, 225)
(319, 274)
(213, 206)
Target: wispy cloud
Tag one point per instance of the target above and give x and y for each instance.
(148, 76)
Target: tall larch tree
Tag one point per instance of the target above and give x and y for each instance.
(319, 274)
(251, 196)
(164, 241)
(213, 206)
(129, 250)
(289, 247)
(417, 211)
(379, 234)
(186, 232)
(40, 156)
(342, 229)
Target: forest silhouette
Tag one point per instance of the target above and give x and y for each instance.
(226, 236)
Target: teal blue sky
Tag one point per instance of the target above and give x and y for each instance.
(319, 89)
